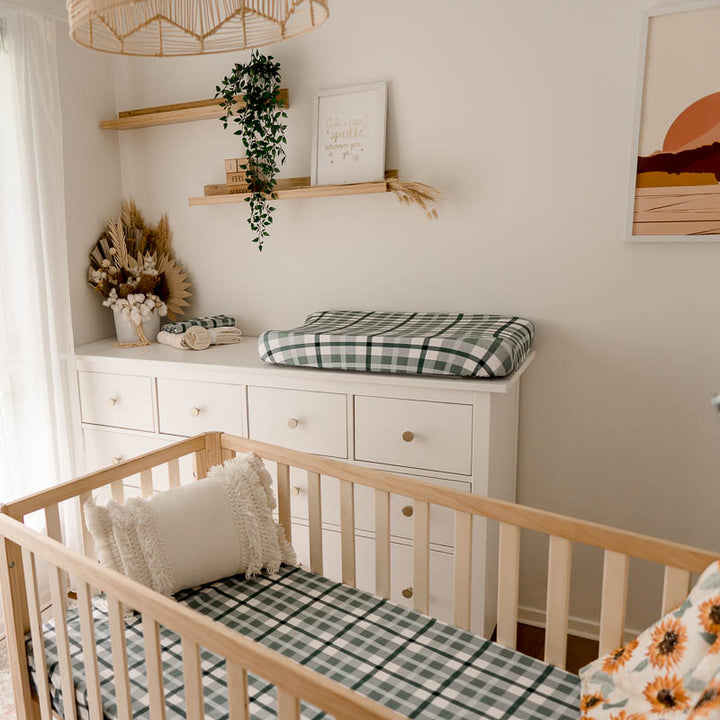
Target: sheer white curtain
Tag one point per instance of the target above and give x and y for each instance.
(35, 329)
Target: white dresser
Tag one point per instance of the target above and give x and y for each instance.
(455, 432)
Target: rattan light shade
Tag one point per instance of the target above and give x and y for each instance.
(189, 27)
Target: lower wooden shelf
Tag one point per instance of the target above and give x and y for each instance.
(289, 188)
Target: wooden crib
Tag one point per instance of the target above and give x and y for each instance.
(23, 550)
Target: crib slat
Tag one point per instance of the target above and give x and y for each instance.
(174, 473)
(200, 462)
(237, 693)
(347, 531)
(614, 600)
(315, 522)
(87, 538)
(53, 528)
(192, 672)
(558, 601)
(38, 641)
(119, 659)
(283, 483)
(57, 594)
(382, 543)
(153, 668)
(421, 557)
(676, 586)
(90, 662)
(146, 483)
(288, 706)
(117, 491)
(227, 454)
(463, 569)
(508, 584)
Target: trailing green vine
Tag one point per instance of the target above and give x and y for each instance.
(260, 125)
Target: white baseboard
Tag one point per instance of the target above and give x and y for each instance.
(580, 627)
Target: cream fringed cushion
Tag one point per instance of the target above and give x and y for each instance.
(197, 533)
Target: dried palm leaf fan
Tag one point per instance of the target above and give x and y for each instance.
(189, 27)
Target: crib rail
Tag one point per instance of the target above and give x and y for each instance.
(21, 550)
(619, 546)
(293, 681)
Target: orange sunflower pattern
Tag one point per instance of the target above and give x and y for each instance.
(670, 671)
(666, 694)
(710, 615)
(587, 702)
(667, 643)
(708, 704)
(618, 658)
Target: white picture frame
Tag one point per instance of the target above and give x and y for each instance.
(632, 234)
(349, 129)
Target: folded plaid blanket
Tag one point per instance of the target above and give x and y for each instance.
(214, 321)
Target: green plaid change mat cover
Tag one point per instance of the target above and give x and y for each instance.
(475, 346)
(420, 667)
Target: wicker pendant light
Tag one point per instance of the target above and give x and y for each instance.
(189, 27)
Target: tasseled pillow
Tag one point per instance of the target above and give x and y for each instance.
(197, 533)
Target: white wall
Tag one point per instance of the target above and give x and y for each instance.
(522, 112)
(92, 173)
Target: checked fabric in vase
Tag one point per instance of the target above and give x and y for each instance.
(455, 344)
(420, 667)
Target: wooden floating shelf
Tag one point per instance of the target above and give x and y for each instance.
(295, 188)
(178, 113)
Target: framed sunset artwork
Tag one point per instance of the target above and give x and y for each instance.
(676, 173)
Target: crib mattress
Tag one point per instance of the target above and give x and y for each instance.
(473, 346)
(409, 662)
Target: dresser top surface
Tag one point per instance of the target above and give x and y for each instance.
(243, 358)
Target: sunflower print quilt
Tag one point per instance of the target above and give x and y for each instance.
(670, 671)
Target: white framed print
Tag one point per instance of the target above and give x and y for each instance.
(349, 127)
(675, 194)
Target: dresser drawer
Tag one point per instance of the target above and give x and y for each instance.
(103, 448)
(314, 422)
(401, 569)
(116, 400)
(414, 434)
(188, 408)
(402, 510)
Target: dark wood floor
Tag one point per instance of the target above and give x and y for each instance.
(581, 651)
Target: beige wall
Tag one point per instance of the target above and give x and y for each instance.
(522, 112)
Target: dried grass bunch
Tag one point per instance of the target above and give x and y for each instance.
(133, 267)
(417, 193)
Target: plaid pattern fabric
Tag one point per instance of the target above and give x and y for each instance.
(215, 321)
(406, 661)
(476, 346)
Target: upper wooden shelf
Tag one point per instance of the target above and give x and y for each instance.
(178, 113)
(289, 188)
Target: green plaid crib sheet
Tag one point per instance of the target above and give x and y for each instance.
(409, 662)
(474, 346)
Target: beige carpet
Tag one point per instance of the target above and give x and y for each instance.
(7, 705)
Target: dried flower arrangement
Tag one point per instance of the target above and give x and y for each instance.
(133, 267)
(417, 193)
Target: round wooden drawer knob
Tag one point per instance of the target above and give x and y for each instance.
(195, 411)
(116, 460)
(112, 401)
(408, 436)
(407, 593)
(408, 511)
(296, 490)
(293, 423)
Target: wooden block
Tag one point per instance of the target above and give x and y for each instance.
(238, 178)
(231, 165)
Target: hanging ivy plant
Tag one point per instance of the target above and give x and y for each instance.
(260, 125)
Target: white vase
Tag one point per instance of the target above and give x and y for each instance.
(125, 330)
